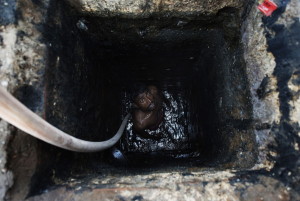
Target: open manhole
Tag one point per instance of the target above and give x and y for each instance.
(198, 64)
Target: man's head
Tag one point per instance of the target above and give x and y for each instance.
(142, 97)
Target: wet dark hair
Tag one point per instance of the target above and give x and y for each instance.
(137, 89)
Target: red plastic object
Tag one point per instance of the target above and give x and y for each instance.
(267, 7)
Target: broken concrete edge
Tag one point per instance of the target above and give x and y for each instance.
(260, 64)
(22, 63)
(279, 145)
(146, 8)
(205, 185)
(289, 20)
(6, 176)
(7, 55)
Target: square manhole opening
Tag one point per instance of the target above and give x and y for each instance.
(198, 66)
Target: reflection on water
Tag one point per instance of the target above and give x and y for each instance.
(173, 130)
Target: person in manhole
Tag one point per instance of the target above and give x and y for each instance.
(147, 114)
(147, 109)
